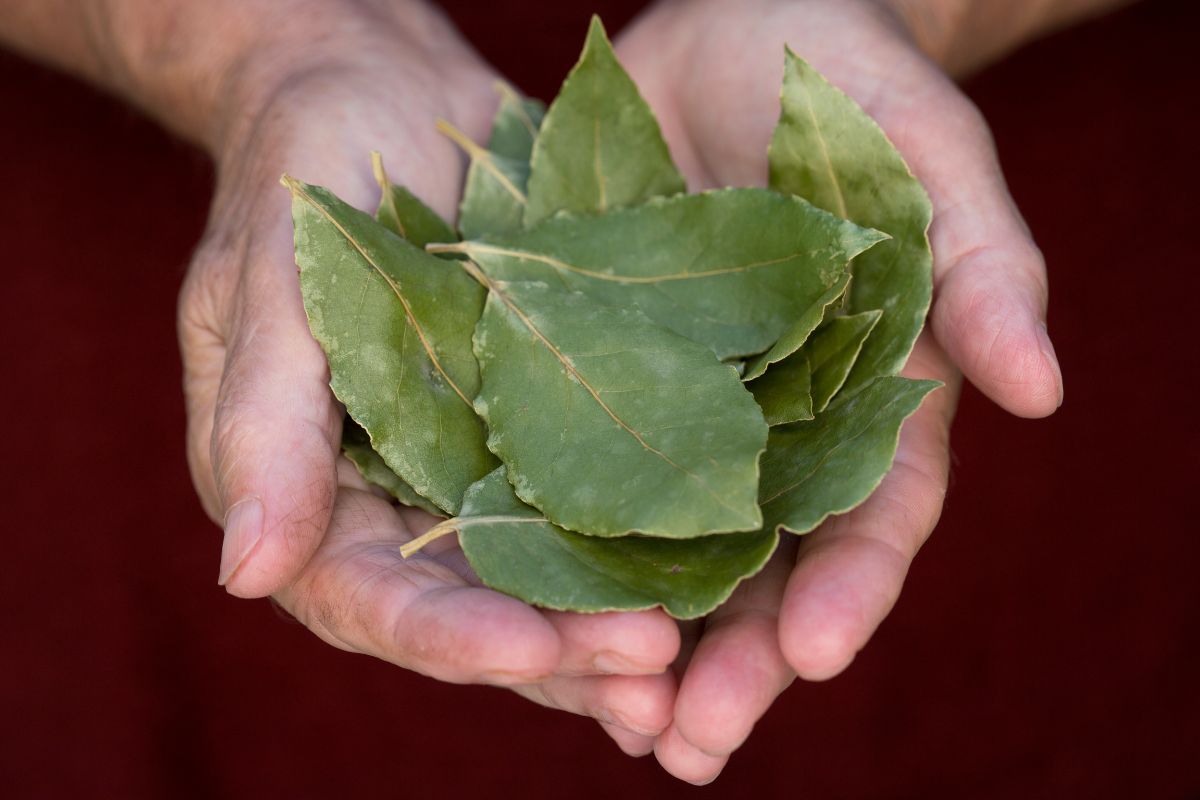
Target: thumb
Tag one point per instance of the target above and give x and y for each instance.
(990, 281)
(275, 436)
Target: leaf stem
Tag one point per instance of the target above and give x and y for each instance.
(380, 173)
(436, 532)
(480, 156)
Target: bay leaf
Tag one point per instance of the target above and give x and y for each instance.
(834, 462)
(799, 331)
(493, 198)
(599, 146)
(609, 424)
(785, 393)
(356, 444)
(833, 350)
(731, 269)
(515, 550)
(403, 213)
(395, 324)
(829, 151)
(516, 124)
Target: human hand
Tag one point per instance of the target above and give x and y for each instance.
(264, 428)
(710, 71)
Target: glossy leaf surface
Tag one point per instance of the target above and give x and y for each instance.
(599, 146)
(395, 324)
(356, 444)
(828, 150)
(609, 424)
(832, 463)
(731, 269)
(513, 549)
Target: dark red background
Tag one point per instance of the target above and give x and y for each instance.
(1047, 644)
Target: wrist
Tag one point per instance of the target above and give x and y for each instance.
(966, 35)
(208, 70)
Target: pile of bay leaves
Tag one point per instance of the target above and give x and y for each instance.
(621, 392)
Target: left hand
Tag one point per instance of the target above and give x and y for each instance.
(711, 72)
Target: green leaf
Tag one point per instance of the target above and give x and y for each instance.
(494, 196)
(731, 269)
(785, 393)
(515, 125)
(609, 424)
(599, 146)
(828, 150)
(832, 352)
(513, 549)
(799, 331)
(832, 463)
(402, 213)
(395, 324)
(356, 444)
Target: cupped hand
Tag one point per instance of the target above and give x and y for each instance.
(264, 428)
(711, 72)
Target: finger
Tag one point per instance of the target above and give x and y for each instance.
(849, 571)
(275, 434)
(737, 670)
(631, 744)
(686, 762)
(359, 594)
(990, 277)
(616, 643)
(637, 704)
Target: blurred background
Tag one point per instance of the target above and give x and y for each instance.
(1047, 643)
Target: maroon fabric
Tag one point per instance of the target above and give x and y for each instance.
(1046, 644)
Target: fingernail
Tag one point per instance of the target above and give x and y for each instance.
(1047, 348)
(609, 663)
(243, 529)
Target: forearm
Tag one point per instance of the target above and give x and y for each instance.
(965, 35)
(195, 66)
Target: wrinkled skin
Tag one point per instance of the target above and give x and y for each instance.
(264, 428)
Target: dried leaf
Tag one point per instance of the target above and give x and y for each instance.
(403, 213)
(599, 146)
(732, 269)
(799, 331)
(828, 150)
(609, 424)
(832, 352)
(515, 125)
(356, 444)
(785, 393)
(515, 550)
(832, 463)
(395, 324)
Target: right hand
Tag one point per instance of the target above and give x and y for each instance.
(264, 428)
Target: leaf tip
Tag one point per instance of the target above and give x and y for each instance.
(506, 92)
(597, 40)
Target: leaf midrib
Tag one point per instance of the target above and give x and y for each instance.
(409, 317)
(569, 366)
(473, 247)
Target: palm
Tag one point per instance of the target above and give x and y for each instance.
(258, 392)
(711, 72)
